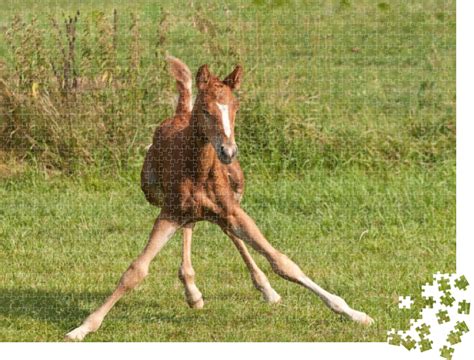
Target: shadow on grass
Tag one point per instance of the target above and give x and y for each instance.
(61, 309)
(65, 310)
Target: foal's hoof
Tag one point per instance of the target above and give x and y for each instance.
(271, 296)
(362, 318)
(368, 320)
(77, 334)
(199, 304)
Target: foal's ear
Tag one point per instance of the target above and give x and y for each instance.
(234, 78)
(202, 77)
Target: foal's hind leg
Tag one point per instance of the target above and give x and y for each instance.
(241, 225)
(186, 272)
(259, 279)
(136, 272)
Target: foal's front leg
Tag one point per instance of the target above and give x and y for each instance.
(241, 225)
(186, 272)
(162, 231)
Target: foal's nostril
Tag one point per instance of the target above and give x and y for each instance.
(227, 152)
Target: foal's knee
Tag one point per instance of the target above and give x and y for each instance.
(134, 275)
(233, 224)
(285, 267)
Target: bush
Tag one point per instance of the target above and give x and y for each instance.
(70, 96)
(90, 90)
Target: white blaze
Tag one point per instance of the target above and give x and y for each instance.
(225, 118)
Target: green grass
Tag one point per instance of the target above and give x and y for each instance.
(367, 238)
(347, 139)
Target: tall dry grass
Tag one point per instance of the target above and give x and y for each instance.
(89, 89)
(74, 93)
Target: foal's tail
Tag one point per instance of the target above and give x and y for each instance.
(183, 76)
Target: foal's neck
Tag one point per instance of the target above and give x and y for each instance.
(204, 155)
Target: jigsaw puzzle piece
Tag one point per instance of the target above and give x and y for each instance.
(454, 337)
(443, 316)
(446, 352)
(461, 326)
(461, 283)
(409, 343)
(444, 284)
(447, 299)
(464, 307)
(423, 330)
(394, 338)
(425, 344)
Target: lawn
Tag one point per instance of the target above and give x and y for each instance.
(347, 139)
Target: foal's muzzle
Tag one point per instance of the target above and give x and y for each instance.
(227, 152)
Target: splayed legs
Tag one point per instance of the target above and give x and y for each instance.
(240, 225)
(162, 231)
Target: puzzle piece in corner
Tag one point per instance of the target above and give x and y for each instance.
(405, 302)
(454, 337)
(394, 338)
(425, 344)
(461, 283)
(464, 307)
(442, 316)
(428, 302)
(423, 330)
(409, 343)
(461, 327)
(446, 352)
(447, 299)
(444, 284)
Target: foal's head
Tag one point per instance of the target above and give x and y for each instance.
(215, 108)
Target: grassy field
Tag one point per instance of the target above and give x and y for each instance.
(347, 139)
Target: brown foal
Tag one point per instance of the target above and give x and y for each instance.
(190, 171)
